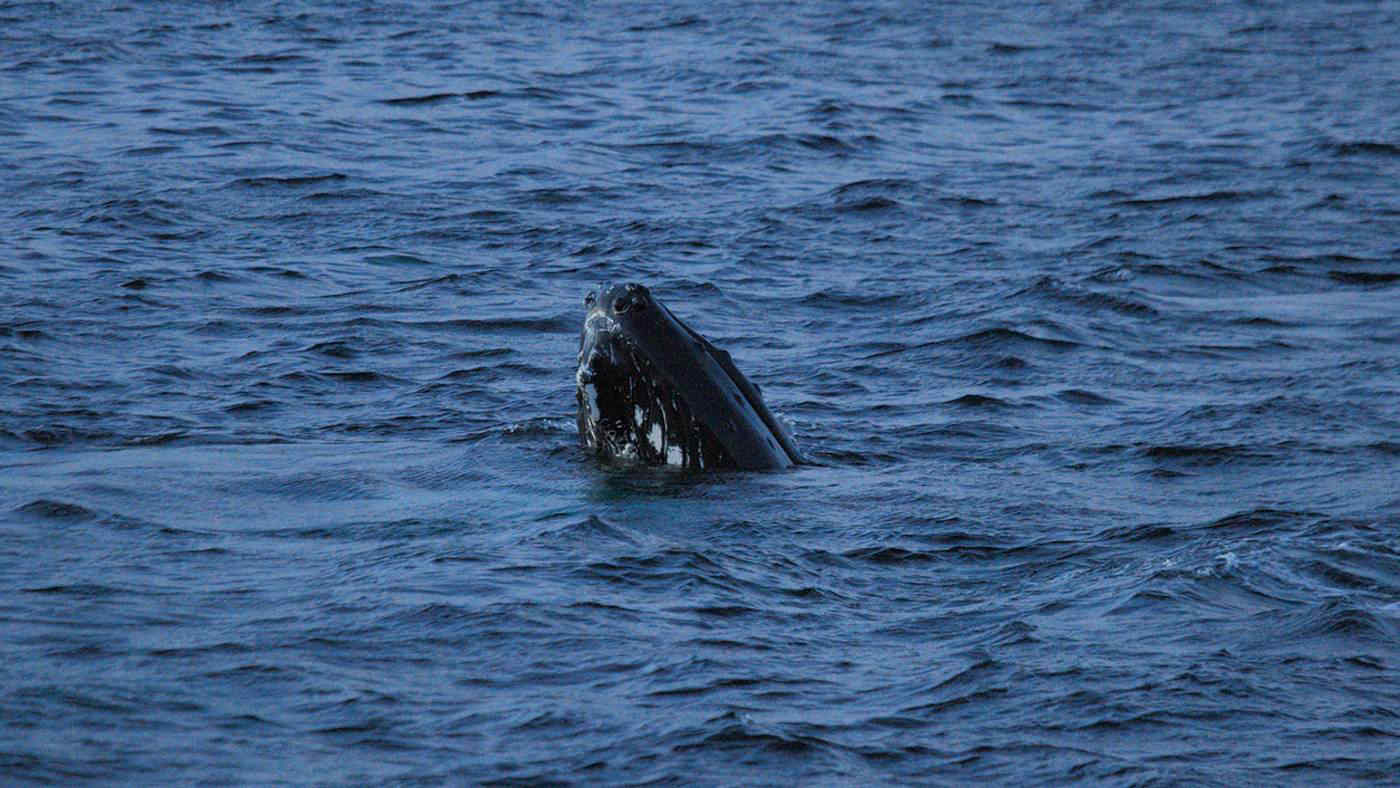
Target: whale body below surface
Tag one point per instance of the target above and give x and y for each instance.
(652, 390)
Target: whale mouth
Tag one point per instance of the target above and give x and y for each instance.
(652, 391)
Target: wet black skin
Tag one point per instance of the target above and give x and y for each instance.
(665, 395)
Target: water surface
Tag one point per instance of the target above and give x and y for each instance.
(1087, 312)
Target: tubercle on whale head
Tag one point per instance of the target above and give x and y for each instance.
(618, 299)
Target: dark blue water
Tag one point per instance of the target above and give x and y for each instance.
(1089, 312)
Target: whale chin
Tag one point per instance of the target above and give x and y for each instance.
(652, 391)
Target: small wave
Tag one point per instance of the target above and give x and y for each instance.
(359, 376)
(938, 436)
(1386, 447)
(591, 531)
(21, 332)
(1055, 105)
(476, 374)
(1263, 322)
(958, 547)
(451, 616)
(274, 57)
(978, 401)
(867, 205)
(1223, 195)
(1338, 617)
(737, 733)
(718, 611)
(1204, 455)
(1008, 362)
(965, 684)
(1363, 148)
(344, 194)
(150, 150)
(553, 196)
(220, 647)
(1002, 48)
(838, 300)
(193, 131)
(397, 259)
(746, 147)
(968, 201)
(1002, 339)
(1083, 397)
(889, 555)
(133, 212)
(158, 439)
(871, 195)
(823, 142)
(670, 24)
(1264, 520)
(876, 185)
(437, 98)
(824, 456)
(1147, 532)
(1364, 277)
(992, 338)
(62, 434)
(1054, 288)
(49, 509)
(1006, 336)
(79, 590)
(665, 567)
(410, 286)
(561, 322)
(288, 181)
(335, 349)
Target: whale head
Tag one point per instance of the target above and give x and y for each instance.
(655, 392)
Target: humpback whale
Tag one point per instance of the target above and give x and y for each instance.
(651, 390)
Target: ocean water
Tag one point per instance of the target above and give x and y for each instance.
(1088, 314)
